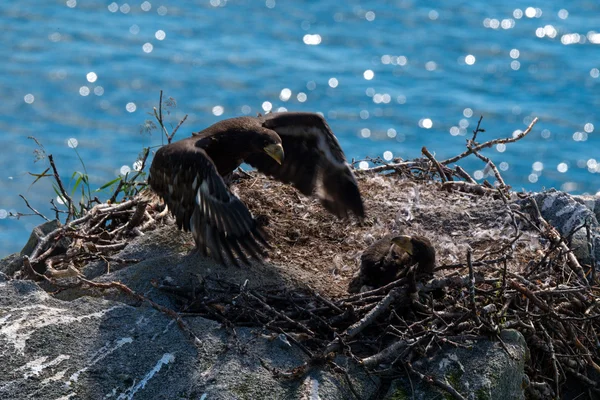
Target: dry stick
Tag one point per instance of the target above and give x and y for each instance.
(462, 173)
(490, 163)
(32, 209)
(491, 143)
(435, 162)
(391, 167)
(467, 187)
(591, 250)
(436, 382)
(177, 128)
(62, 188)
(553, 357)
(472, 287)
(531, 296)
(477, 129)
(364, 322)
(557, 239)
(278, 314)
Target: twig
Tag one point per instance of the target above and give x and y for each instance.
(435, 162)
(491, 143)
(432, 379)
(33, 209)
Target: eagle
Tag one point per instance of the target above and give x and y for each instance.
(293, 147)
(390, 258)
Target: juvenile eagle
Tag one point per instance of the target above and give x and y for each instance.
(188, 175)
(390, 258)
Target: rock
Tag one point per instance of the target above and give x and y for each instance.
(39, 232)
(484, 371)
(91, 348)
(569, 214)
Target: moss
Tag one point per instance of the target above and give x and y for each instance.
(453, 379)
(399, 394)
(482, 394)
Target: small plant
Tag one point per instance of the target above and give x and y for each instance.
(80, 199)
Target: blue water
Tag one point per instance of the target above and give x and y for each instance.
(93, 70)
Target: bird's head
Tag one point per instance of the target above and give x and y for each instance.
(270, 142)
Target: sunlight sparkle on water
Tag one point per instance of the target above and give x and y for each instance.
(363, 165)
(71, 3)
(125, 170)
(312, 40)
(113, 7)
(285, 94)
(470, 59)
(267, 106)
(368, 74)
(365, 132)
(72, 143)
(537, 166)
(160, 34)
(562, 167)
(134, 29)
(84, 90)
(147, 47)
(426, 123)
(301, 97)
(29, 98)
(218, 110)
(467, 112)
(3, 213)
(162, 11)
(595, 72)
(91, 77)
(146, 6)
(563, 14)
(125, 8)
(131, 107)
(387, 155)
(333, 82)
(430, 66)
(500, 147)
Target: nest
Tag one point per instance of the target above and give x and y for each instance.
(501, 266)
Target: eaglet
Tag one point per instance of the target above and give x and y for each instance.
(390, 258)
(188, 175)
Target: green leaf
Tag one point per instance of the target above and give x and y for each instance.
(107, 184)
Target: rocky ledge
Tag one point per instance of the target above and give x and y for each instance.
(154, 320)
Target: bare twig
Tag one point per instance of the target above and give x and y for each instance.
(491, 143)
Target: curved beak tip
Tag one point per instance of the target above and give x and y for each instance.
(275, 151)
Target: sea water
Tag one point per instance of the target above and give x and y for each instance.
(390, 77)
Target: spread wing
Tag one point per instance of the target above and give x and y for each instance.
(187, 179)
(314, 162)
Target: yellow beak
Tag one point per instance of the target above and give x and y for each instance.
(404, 242)
(275, 151)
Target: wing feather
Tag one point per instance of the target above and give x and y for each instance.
(314, 161)
(188, 181)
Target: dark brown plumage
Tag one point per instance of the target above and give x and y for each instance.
(390, 258)
(188, 175)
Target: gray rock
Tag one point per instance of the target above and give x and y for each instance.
(39, 232)
(568, 214)
(75, 345)
(484, 371)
